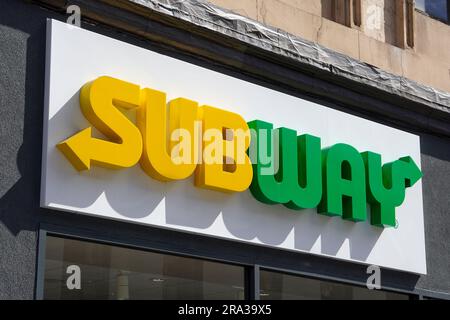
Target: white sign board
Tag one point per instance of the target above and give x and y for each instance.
(76, 56)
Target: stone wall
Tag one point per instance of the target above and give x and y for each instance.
(374, 42)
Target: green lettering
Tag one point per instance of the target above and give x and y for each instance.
(344, 183)
(295, 179)
(386, 186)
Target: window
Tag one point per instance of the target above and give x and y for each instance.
(279, 286)
(114, 273)
(439, 9)
(83, 270)
(345, 12)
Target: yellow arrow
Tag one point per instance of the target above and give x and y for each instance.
(99, 101)
(82, 150)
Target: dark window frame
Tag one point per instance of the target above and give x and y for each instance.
(42, 242)
(251, 271)
(334, 280)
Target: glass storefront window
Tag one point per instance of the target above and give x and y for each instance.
(278, 286)
(116, 273)
(76, 269)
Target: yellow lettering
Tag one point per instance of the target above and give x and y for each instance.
(156, 130)
(171, 143)
(99, 102)
(234, 172)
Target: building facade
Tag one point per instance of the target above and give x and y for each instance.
(347, 81)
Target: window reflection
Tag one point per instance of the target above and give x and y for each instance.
(116, 273)
(278, 286)
(435, 8)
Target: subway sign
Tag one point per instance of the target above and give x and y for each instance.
(227, 154)
(140, 137)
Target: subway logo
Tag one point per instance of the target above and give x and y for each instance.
(173, 140)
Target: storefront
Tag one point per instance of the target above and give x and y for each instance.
(111, 272)
(180, 166)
